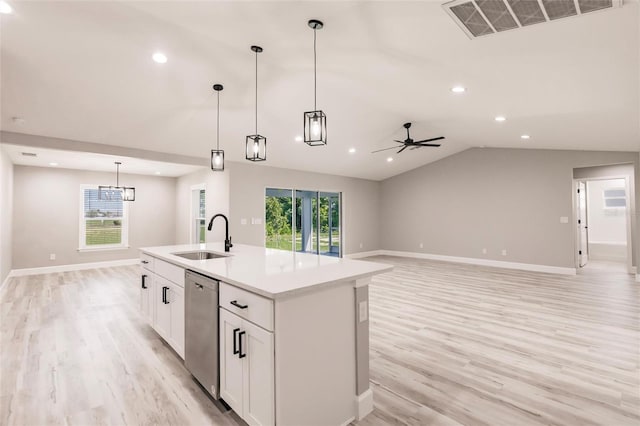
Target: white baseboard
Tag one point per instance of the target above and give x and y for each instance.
(483, 262)
(364, 254)
(364, 404)
(7, 278)
(74, 267)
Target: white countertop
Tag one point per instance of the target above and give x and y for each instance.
(269, 272)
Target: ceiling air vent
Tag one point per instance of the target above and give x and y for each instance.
(483, 17)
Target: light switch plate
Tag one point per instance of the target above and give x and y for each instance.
(564, 219)
(256, 221)
(363, 313)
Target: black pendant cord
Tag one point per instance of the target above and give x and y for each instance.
(315, 88)
(256, 91)
(218, 124)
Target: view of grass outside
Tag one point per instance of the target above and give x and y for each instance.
(101, 232)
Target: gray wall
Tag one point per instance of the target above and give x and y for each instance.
(489, 198)
(6, 214)
(46, 215)
(360, 202)
(216, 201)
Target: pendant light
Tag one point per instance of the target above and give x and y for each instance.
(217, 155)
(112, 192)
(256, 145)
(315, 122)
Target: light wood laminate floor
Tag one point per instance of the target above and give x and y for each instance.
(450, 344)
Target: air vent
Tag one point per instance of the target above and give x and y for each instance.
(29, 154)
(482, 17)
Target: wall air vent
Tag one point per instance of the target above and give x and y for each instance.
(29, 154)
(482, 17)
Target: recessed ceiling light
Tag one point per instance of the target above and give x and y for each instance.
(160, 57)
(5, 8)
(298, 138)
(53, 164)
(500, 118)
(390, 159)
(525, 137)
(352, 150)
(458, 89)
(158, 173)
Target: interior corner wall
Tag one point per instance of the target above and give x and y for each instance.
(216, 201)
(6, 215)
(360, 202)
(47, 214)
(493, 198)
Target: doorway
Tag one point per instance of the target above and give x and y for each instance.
(603, 224)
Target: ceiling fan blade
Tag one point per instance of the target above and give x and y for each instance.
(384, 149)
(402, 149)
(429, 140)
(428, 144)
(395, 140)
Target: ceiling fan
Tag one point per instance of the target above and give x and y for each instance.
(408, 142)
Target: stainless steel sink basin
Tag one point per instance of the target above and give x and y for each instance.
(199, 255)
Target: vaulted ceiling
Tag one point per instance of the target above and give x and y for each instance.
(83, 71)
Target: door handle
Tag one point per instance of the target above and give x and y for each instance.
(237, 305)
(145, 261)
(235, 348)
(144, 285)
(241, 355)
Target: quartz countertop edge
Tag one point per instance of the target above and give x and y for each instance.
(271, 273)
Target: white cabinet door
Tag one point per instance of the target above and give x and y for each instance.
(162, 318)
(175, 297)
(146, 295)
(259, 390)
(231, 365)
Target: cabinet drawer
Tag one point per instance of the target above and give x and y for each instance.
(146, 261)
(169, 271)
(257, 309)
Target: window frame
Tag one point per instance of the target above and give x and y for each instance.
(623, 197)
(82, 221)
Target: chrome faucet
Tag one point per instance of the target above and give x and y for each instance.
(227, 238)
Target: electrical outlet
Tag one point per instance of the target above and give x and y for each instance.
(52, 256)
(361, 245)
(484, 251)
(421, 245)
(504, 252)
(564, 219)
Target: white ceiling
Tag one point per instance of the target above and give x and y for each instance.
(95, 162)
(83, 71)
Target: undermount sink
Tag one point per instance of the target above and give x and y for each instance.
(199, 255)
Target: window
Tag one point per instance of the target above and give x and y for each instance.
(198, 220)
(103, 223)
(615, 198)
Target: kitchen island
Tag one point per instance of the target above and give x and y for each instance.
(300, 320)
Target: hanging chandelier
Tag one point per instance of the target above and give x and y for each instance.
(315, 122)
(256, 145)
(115, 192)
(217, 155)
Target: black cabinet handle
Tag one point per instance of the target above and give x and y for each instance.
(145, 261)
(241, 355)
(235, 349)
(164, 295)
(144, 285)
(237, 305)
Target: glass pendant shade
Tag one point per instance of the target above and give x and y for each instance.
(217, 160)
(315, 128)
(128, 194)
(256, 148)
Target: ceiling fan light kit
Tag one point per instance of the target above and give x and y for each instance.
(217, 155)
(315, 122)
(108, 192)
(256, 145)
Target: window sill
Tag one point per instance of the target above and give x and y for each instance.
(82, 250)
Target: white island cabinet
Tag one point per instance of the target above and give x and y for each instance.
(293, 332)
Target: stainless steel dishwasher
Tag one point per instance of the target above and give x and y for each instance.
(201, 330)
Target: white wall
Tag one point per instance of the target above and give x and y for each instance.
(46, 215)
(360, 202)
(6, 215)
(216, 199)
(489, 198)
(605, 225)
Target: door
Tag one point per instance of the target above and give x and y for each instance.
(175, 298)
(231, 365)
(162, 319)
(146, 296)
(259, 400)
(583, 237)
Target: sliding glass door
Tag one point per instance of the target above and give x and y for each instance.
(304, 221)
